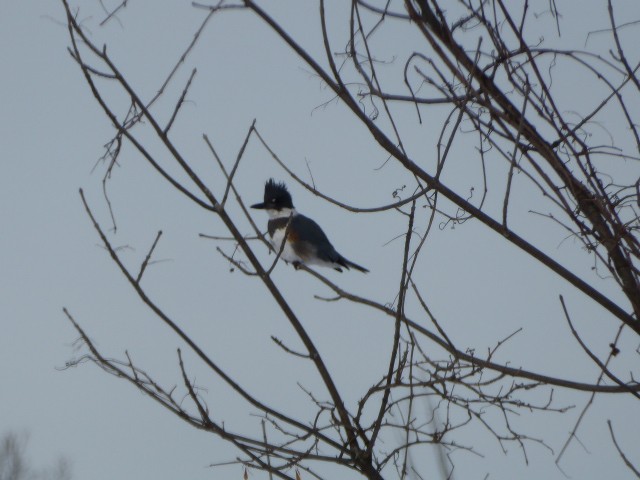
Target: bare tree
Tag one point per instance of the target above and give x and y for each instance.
(14, 464)
(478, 73)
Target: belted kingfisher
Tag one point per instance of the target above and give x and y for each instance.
(306, 243)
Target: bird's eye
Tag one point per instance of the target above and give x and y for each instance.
(273, 200)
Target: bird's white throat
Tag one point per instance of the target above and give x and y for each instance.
(282, 213)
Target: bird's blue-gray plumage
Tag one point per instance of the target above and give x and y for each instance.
(306, 237)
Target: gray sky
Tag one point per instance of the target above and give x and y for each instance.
(51, 134)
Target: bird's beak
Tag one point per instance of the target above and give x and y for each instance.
(260, 206)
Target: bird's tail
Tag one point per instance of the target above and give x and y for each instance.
(349, 264)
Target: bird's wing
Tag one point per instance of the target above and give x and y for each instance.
(308, 234)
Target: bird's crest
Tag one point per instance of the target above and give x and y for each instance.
(277, 193)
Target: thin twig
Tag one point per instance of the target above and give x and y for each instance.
(622, 455)
(148, 257)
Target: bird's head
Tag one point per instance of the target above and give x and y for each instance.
(276, 197)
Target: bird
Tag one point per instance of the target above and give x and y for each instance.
(306, 243)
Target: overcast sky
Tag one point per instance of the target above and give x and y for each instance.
(52, 134)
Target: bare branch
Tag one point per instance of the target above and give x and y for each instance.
(622, 455)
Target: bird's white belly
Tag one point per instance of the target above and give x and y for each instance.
(288, 253)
